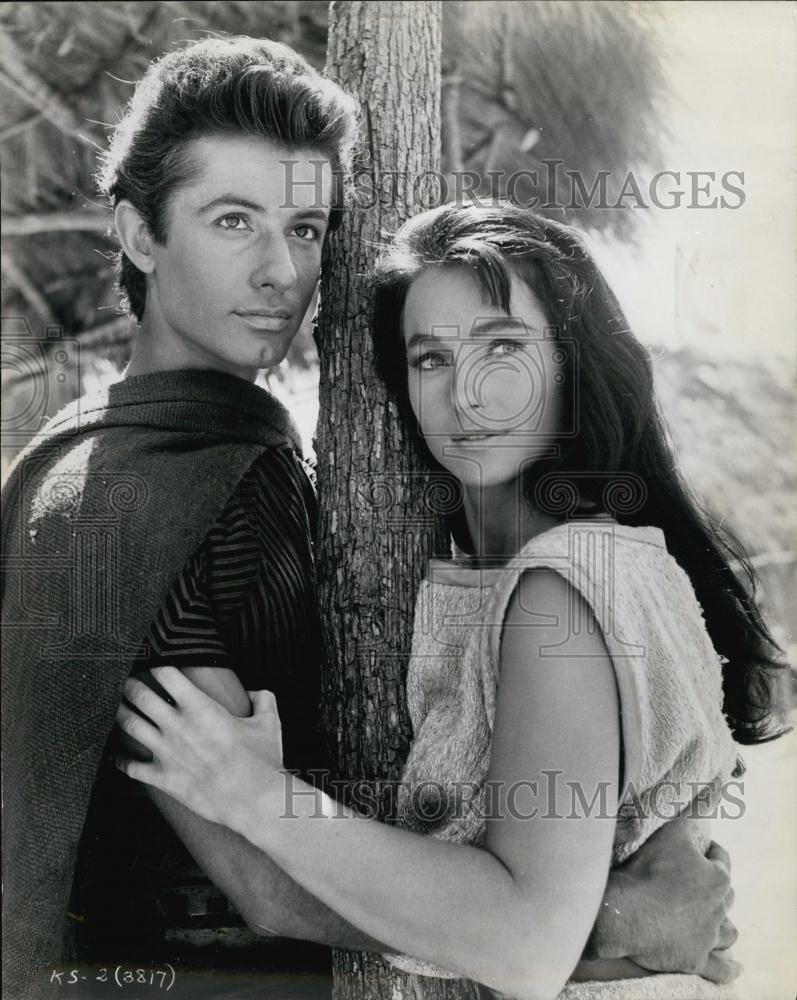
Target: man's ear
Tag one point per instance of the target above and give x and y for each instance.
(134, 235)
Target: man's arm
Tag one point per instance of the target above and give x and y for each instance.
(666, 908)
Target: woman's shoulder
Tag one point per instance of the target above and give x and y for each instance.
(572, 534)
(624, 582)
(596, 556)
(597, 552)
(637, 593)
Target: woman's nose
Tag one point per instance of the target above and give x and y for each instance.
(470, 409)
(467, 384)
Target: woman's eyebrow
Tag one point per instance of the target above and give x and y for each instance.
(479, 328)
(425, 338)
(322, 214)
(488, 325)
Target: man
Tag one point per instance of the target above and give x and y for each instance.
(169, 520)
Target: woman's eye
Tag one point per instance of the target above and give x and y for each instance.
(502, 347)
(433, 359)
(234, 221)
(307, 232)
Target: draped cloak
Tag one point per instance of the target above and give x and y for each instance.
(100, 514)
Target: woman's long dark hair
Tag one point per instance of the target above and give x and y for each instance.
(618, 431)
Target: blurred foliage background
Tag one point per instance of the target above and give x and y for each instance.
(67, 69)
(584, 83)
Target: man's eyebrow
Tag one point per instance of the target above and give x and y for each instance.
(238, 200)
(313, 213)
(232, 199)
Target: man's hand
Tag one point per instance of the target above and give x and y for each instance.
(666, 908)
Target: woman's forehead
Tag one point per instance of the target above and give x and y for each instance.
(455, 297)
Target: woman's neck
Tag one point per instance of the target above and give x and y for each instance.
(501, 520)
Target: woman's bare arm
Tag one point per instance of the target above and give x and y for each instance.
(666, 907)
(269, 900)
(515, 916)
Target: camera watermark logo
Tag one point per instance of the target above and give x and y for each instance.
(500, 381)
(39, 371)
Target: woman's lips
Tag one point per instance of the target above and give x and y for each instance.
(477, 437)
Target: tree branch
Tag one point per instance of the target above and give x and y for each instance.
(54, 222)
(27, 290)
(39, 94)
(20, 126)
(115, 331)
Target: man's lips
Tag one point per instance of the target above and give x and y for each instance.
(265, 320)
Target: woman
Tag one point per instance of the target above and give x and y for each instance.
(497, 331)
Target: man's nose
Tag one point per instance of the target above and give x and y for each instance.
(275, 265)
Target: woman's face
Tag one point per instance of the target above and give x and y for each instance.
(485, 387)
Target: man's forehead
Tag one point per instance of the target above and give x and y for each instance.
(259, 171)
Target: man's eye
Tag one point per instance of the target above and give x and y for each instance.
(234, 221)
(307, 232)
(503, 347)
(432, 359)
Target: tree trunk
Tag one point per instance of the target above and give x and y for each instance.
(377, 522)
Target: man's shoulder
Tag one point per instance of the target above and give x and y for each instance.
(278, 484)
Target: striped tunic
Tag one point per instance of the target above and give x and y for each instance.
(245, 601)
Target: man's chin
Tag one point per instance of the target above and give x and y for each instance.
(274, 351)
(271, 359)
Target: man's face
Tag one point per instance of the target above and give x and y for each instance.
(239, 267)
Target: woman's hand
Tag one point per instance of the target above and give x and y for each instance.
(213, 762)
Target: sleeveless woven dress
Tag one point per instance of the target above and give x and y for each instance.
(675, 740)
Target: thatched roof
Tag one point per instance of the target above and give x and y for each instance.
(578, 83)
(66, 70)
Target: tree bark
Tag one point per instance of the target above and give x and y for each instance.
(377, 521)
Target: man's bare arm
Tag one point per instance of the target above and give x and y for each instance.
(667, 909)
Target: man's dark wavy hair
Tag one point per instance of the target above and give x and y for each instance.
(619, 431)
(212, 87)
